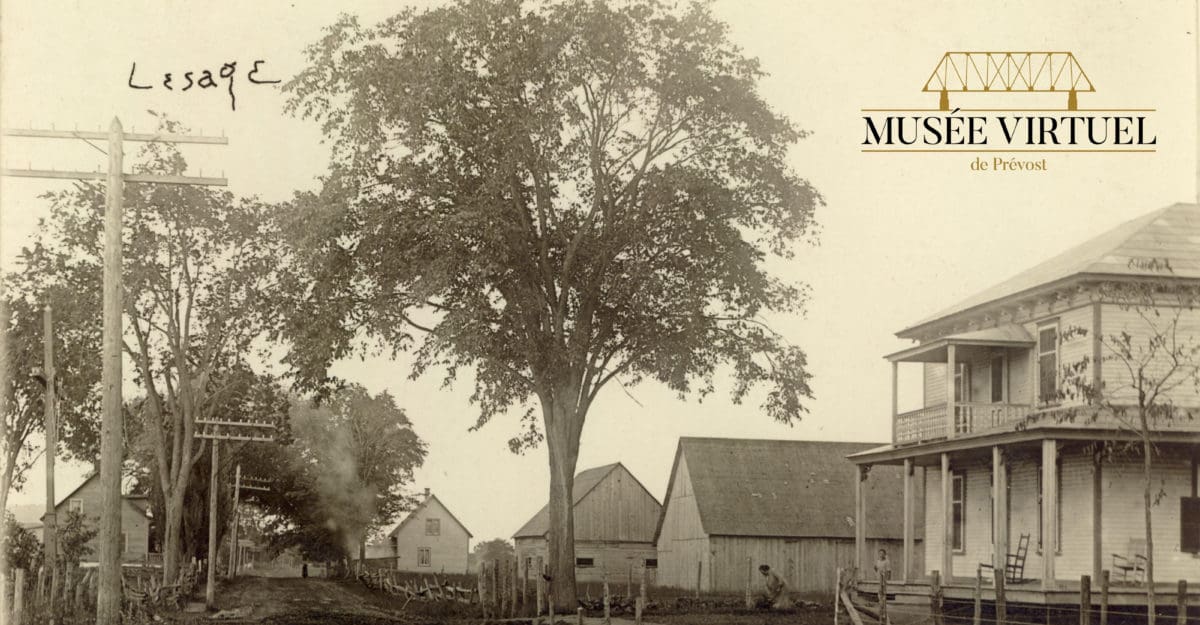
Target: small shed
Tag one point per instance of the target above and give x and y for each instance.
(615, 516)
(734, 504)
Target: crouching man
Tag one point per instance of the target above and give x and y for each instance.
(775, 595)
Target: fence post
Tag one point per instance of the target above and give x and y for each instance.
(1104, 597)
(978, 614)
(1085, 600)
(539, 585)
(837, 590)
(640, 605)
(749, 582)
(607, 613)
(699, 571)
(883, 615)
(1181, 618)
(550, 604)
(18, 596)
(1001, 603)
(935, 597)
(479, 583)
(578, 616)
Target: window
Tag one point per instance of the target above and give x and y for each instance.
(1058, 538)
(958, 509)
(433, 527)
(652, 563)
(75, 505)
(424, 558)
(585, 562)
(1048, 363)
(1189, 513)
(124, 542)
(962, 382)
(998, 367)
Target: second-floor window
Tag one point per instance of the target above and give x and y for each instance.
(998, 366)
(962, 382)
(424, 557)
(433, 527)
(1047, 363)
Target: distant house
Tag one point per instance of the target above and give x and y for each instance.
(614, 527)
(735, 504)
(430, 539)
(135, 519)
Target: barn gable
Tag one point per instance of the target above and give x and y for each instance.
(610, 504)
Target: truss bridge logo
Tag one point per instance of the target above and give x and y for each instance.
(1009, 102)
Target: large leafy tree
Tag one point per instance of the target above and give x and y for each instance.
(198, 274)
(555, 197)
(345, 473)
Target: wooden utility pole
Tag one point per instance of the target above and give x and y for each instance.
(50, 521)
(233, 526)
(210, 582)
(112, 448)
(217, 431)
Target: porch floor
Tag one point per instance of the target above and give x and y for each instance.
(1064, 592)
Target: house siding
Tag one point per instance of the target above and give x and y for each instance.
(615, 562)
(682, 544)
(807, 565)
(1117, 381)
(448, 550)
(1122, 513)
(134, 523)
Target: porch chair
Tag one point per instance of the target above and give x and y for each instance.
(1132, 565)
(1014, 563)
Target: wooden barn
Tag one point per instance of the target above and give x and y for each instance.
(615, 518)
(430, 539)
(734, 504)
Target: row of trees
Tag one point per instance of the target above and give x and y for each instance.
(556, 198)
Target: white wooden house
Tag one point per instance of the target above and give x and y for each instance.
(86, 499)
(1007, 445)
(429, 540)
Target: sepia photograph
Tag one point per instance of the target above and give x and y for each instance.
(600, 312)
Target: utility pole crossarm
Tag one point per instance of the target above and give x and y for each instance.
(99, 175)
(103, 136)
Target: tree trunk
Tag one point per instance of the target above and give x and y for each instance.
(1148, 496)
(563, 443)
(172, 548)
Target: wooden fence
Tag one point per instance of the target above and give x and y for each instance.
(39, 597)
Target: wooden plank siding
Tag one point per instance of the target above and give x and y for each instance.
(135, 526)
(618, 509)
(448, 549)
(614, 561)
(1121, 498)
(807, 565)
(1117, 380)
(682, 542)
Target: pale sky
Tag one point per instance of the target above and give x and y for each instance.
(902, 236)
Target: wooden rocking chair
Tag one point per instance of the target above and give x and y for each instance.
(1014, 563)
(1131, 567)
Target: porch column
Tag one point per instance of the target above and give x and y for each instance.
(860, 518)
(907, 555)
(1097, 516)
(1000, 511)
(950, 389)
(947, 522)
(1049, 511)
(895, 398)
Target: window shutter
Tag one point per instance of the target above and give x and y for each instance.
(1189, 538)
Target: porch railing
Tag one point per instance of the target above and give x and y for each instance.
(930, 423)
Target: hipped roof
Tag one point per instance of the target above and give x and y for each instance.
(1171, 233)
(786, 488)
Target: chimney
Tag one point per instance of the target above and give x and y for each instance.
(427, 492)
